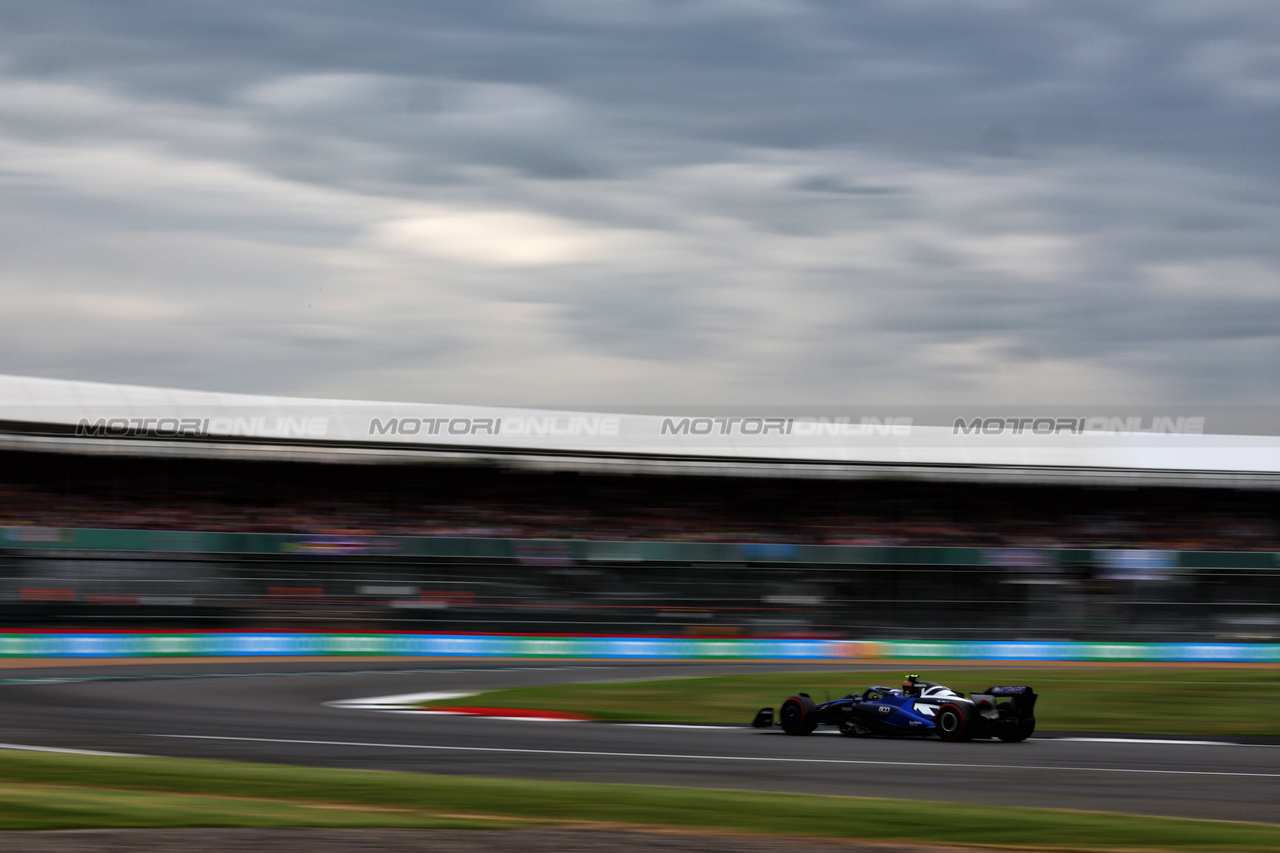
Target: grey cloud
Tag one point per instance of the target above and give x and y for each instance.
(840, 185)
(805, 192)
(639, 317)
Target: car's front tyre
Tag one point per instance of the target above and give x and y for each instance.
(798, 715)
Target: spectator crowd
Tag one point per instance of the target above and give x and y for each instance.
(51, 490)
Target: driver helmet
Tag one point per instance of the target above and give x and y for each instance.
(909, 687)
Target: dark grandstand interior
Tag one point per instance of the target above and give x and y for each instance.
(70, 490)
(949, 560)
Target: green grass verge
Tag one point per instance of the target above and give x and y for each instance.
(53, 791)
(31, 807)
(1135, 700)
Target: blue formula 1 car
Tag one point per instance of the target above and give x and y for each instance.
(919, 708)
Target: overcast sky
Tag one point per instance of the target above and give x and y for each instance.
(612, 203)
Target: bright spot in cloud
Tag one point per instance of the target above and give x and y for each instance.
(498, 238)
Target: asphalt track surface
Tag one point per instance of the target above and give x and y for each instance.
(275, 711)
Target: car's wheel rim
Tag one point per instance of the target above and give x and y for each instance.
(791, 716)
(948, 722)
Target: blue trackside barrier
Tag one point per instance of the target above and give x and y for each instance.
(247, 644)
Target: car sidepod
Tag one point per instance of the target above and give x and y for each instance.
(885, 714)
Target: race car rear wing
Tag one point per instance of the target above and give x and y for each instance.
(1022, 698)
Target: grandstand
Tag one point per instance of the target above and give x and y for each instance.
(127, 507)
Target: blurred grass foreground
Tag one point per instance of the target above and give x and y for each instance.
(58, 791)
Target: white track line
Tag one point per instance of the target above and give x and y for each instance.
(410, 703)
(25, 748)
(1154, 740)
(682, 757)
(400, 702)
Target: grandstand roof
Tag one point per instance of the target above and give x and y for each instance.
(68, 416)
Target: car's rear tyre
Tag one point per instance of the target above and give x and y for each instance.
(1018, 731)
(798, 715)
(952, 723)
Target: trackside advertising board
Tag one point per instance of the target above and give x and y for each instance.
(246, 644)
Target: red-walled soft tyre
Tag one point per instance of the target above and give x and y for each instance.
(798, 716)
(952, 723)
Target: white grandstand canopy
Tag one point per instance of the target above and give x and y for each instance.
(90, 417)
